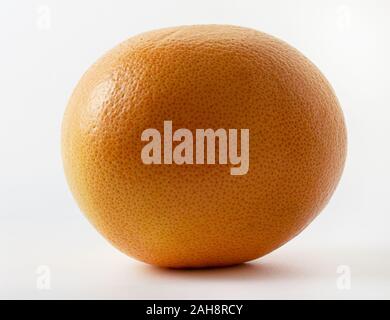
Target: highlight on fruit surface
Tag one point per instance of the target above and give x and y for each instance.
(206, 145)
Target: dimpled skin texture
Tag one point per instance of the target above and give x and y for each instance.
(207, 76)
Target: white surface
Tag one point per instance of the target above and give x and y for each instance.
(82, 265)
(46, 46)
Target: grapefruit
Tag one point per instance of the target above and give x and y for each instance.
(202, 77)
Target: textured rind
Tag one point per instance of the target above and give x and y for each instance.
(207, 76)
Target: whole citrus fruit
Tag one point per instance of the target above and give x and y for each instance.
(196, 214)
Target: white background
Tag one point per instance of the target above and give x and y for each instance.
(45, 48)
